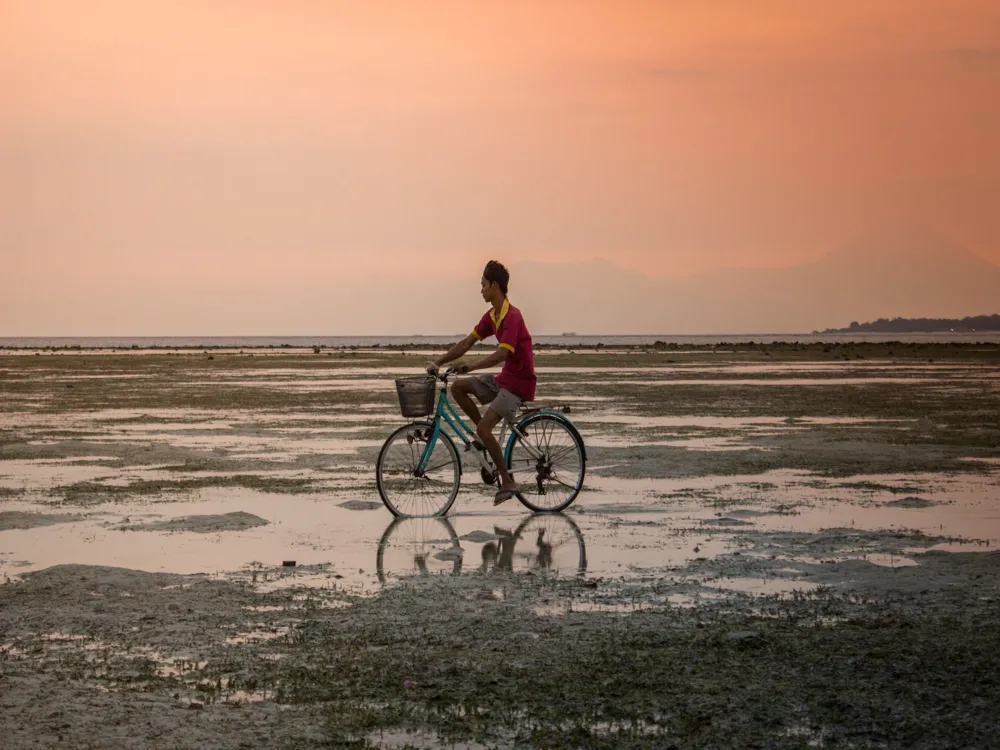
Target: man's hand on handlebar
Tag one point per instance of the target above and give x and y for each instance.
(433, 369)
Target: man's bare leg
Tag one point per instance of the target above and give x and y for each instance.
(461, 391)
(485, 432)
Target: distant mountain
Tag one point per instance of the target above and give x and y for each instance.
(888, 273)
(923, 325)
(882, 275)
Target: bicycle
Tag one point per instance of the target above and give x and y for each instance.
(425, 546)
(419, 470)
(412, 546)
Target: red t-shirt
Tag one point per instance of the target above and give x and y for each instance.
(518, 373)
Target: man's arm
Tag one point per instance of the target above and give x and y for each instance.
(457, 350)
(498, 357)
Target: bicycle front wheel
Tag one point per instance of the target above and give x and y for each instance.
(418, 547)
(405, 487)
(547, 460)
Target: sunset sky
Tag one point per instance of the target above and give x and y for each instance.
(205, 166)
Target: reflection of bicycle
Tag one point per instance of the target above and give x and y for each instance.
(421, 546)
(417, 546)
(545, 541)
(418, 471)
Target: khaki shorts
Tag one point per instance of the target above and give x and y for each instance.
(501, 401)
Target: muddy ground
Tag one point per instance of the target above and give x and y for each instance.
(782, 546)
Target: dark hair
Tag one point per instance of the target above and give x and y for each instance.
(495, 271)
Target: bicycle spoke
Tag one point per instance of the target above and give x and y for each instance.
(441, 465)
(410, 495)
(552, 475)
(556, 455)
(548, 439)
(548, 462)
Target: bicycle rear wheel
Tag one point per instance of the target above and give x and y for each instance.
(550, 542)
(407, 490)
(547, 460)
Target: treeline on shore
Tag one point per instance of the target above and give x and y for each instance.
(923, 325)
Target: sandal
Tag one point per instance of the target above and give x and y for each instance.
(503, 496)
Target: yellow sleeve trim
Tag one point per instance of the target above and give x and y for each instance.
(478, 337)
(507, 347)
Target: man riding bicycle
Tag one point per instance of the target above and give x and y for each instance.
(514, 385)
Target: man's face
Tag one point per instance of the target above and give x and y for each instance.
(487, 289)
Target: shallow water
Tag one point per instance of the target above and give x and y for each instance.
(726, 423)
(810, 382)
(619, 527)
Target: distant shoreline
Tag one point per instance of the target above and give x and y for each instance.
(973, 324)
(611, 342)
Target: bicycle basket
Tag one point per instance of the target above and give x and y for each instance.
(416, 396)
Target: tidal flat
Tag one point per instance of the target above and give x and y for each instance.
(781, 546)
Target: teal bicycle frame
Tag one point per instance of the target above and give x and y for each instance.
(447, 414)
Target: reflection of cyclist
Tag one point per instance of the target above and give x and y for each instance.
(420, 560)
(544, 551)
(500, 554)
(516, 383)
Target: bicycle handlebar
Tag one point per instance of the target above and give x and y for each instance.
(443, 376)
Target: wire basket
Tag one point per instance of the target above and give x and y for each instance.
(416, 396)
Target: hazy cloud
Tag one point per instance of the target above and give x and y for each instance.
(984, 55)
(671, 72)
(221, 149)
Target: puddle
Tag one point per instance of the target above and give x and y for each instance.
(810, 382)
(343, 541)
(619, 528)
(60, 376)
(43, 474)
(692, 600)
(551, 544)
(273, 442)
(890, 561)
(297, 385)
(617, 608)
(401, 740)
(722, 423)
(762, 586)
(256, 636)
(848, 420)
(693, 444)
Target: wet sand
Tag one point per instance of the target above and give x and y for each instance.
(776, 547)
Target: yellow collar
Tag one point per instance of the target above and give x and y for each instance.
(503, 313)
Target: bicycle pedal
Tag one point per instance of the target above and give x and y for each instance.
(489, 477)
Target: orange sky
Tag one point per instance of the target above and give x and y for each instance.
(192, 145)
